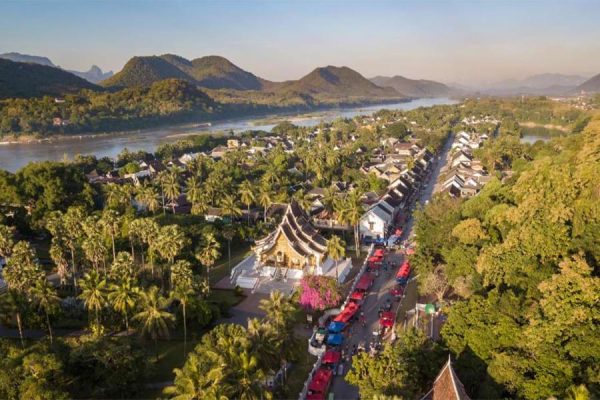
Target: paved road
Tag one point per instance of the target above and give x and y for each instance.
(380, 290)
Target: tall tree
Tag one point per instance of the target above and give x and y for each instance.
(265, 198)
(247, 196)
(93, 294)
(153, 317)
(172, 188)
(46, 298)
(111, 224)
(123, 296)
(336, 248)
(209, 252)
(182, 283)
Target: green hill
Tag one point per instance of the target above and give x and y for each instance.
(211, 72)
(337, 82)
(144, 71)
(413, 87)
(19, 79)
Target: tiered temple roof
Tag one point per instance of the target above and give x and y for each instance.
(447, 386)
(299, 232)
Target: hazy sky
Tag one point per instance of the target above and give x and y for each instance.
(452, 41)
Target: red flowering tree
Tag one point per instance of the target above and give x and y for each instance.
(319, 292)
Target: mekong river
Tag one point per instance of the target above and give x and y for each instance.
(15, 155)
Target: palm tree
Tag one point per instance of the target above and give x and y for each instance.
(153, 317)
(278, 308)
(247, 196)
(11, 304)
(118, 196)
(265, 199)
(336, 248)
(248, 379)
(209, 251)
(93, 293)
(183, 290)
(122, 268)
(148, 197)
(58, 256)
(228, 233)
(193, 190)
(229, 207)
(351, 214)
(302, 200)
(73, 224)
(110, 223)
(93, 245)
(146, 231)
(123, 297)
(172, 188)
(171, 240)
(44, 295)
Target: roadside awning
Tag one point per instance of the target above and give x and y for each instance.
(321, 380)
(335, 339)
(364, 283)
(347, 313)
(336, 327)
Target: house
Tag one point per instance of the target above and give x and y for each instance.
(212, 214)
(375, 222)
(218, 152)
(233, 143)
(447, 386)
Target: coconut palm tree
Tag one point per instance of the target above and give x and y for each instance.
(11, 305)
(93, 293)
(118, 196)
(123, 297)
(249, 378)
(228, 233)
(302, 200)
(172, 188)
(265, 198)
(278, 308)
(58, 256)
(73, 224)
(209, 251)
(148, 197)
(351, 213)
(229, 207)
(145, 230)
(336, 248)
(171, 240)
(182, 283)
(193, 190)
(247, 196)
(93, 245)
(154, 320)
(110, 224)
(122, 268)
(45, 297)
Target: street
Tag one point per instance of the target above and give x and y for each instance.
(380, 291)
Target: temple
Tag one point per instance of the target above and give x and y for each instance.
(294, 245)
(447, 386)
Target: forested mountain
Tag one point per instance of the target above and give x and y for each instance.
(592, 85)
(413, 87)
(94, 74)
(212, 72)
(144, 71)
(337, 81)
(19, 79)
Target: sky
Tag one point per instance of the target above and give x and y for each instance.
(467, 42)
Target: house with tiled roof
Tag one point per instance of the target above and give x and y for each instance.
(447, 386)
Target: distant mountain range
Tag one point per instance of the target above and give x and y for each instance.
(215, 72)
(94, 75)
(549, 84)
(592, 85)
(414, 87)
(18, 79)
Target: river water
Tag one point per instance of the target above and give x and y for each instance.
(15, 155)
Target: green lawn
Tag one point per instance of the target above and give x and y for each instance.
(221, 268)
(297, 375)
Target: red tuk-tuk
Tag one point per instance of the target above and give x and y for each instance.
(347, 313)
(403, 273)
(386, 320)
(358, 296)
(365, 282)
(319, 385)
(331, 360)
(397, 292)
